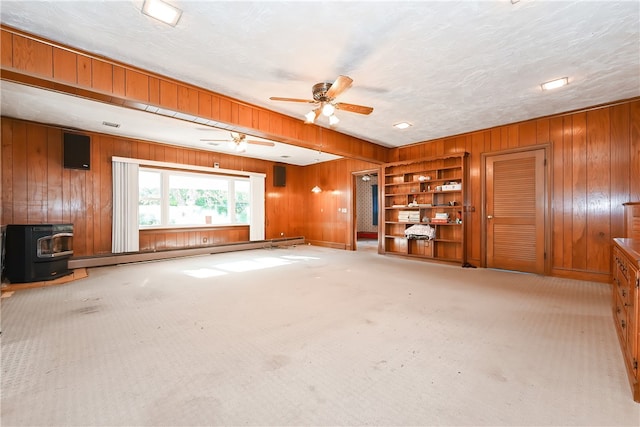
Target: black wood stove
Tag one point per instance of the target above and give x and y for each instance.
(36, 252)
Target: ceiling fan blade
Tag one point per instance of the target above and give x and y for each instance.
(277, 98)
(341, 84)
(352, 108)
(265, 143)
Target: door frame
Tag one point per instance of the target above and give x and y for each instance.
(548, 176)
(354, 204)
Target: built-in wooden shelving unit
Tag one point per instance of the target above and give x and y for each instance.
(427, 191)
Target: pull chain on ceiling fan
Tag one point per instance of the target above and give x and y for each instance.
(324, 95)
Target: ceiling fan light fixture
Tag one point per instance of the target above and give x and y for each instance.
(241, 146)
(554, 84)
(333, 120)
(162, 11)
(328, 109)
(310, 116)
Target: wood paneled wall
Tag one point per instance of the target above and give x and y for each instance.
(595, 168)
(180, 238)
(329, 215)
(37, 189)
(38, 62)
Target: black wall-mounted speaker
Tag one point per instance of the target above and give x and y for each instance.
(279, 176)
(76, 151)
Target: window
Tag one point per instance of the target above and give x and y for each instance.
(150, 197)
(170, 198)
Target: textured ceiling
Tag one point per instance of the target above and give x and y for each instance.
(445, 67)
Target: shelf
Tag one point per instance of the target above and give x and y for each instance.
(425, 207)
(451, 178)
(402, 186)
(397, 236)
(405, 194)
(422, 192)
(433, 224)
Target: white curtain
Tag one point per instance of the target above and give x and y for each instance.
(124, 235)
(256, 224)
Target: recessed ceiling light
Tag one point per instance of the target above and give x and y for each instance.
(111, 124)
(554, 84)
(162, 11)
(402, 125)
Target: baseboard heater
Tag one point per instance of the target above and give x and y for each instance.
(100, 261)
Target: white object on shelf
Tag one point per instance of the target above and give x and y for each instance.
(451, 187)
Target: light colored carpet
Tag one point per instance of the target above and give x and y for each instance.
(312, 336)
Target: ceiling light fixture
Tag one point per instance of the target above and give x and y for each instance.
(316, 189)
(111, 124)
(162, 11)
(554, 84)
(310, 116)
(328, 109)
(366, 177)
(402, 125)
(241, 147)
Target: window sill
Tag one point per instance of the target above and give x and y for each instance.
(190, 227)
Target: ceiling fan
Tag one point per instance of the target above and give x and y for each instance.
(324, 95)
(238, 142)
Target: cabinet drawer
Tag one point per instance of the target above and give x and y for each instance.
(624, 292)
(620, 314)
(621, 266)
(621, 274)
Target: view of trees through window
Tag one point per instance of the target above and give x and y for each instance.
(169, 198)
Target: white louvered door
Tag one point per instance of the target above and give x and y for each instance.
(515, 207)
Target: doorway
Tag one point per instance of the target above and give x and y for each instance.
(516, 210)
(365, 211)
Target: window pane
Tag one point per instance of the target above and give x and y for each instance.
(242, 190)
(149, 198)
(198, 200)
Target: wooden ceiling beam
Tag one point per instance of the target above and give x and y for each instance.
(34, 61)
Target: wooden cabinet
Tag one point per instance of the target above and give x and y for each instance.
(632, 220)
(626, 305)
(427, 191)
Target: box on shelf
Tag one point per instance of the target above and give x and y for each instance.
(439, 220)
(451, 187)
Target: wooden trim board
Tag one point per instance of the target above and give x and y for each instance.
(77, 274)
